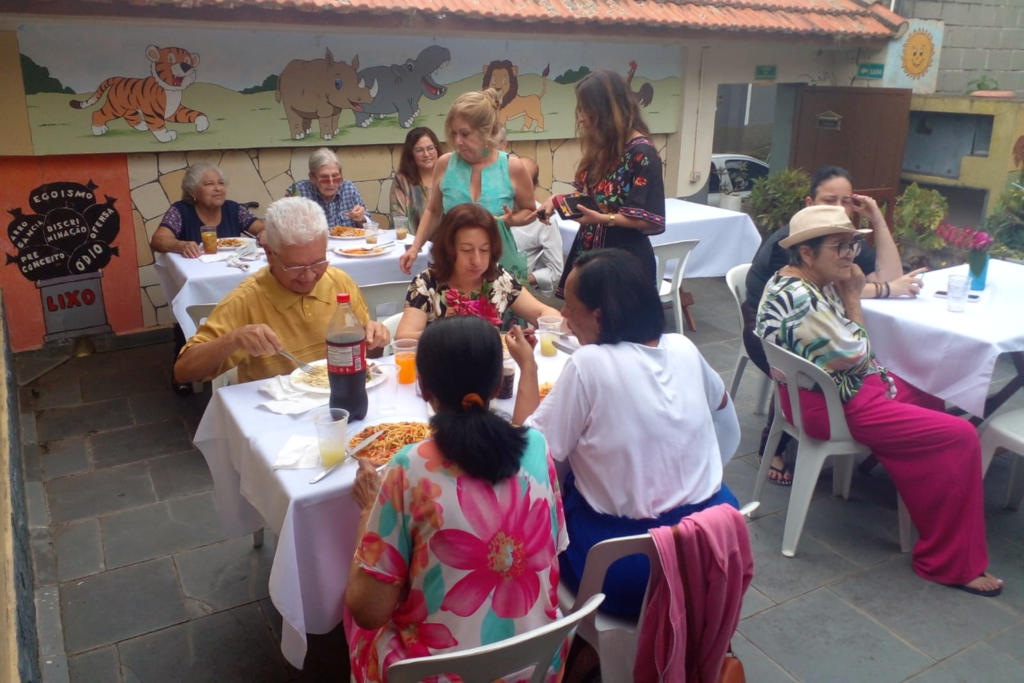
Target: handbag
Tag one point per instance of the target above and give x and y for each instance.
(732, 669)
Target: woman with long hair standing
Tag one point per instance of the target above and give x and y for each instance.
(477, 171)
(620, 170)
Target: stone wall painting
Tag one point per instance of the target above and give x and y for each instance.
(144, 88)
(64, 273)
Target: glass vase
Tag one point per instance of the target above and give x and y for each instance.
(978, 267)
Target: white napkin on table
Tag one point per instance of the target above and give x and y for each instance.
(299, 452)
(287, 400)
(213, 258)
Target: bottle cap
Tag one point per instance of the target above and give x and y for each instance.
(344, 297)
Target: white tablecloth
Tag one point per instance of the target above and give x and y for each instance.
(727, 238)
(191, 281)
(316, 523)
(950, 355)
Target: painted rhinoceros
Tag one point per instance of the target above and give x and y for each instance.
(400, 86)
(320, 89)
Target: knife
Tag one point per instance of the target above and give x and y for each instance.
(362, 444)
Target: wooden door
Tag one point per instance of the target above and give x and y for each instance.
(861, 129)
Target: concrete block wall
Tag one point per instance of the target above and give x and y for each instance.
(982, 37)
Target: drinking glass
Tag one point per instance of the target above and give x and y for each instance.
(550, 327)
(209, 237)
(401, 226)
(405, 359)
(332, 434)
(371, 232)
(956, 288)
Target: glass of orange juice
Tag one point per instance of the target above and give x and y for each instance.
(405, 359)
(208, 233)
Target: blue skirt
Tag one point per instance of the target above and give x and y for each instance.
(626, 581)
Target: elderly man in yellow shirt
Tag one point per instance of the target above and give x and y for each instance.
(286, 305)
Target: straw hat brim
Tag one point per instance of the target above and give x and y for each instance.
(821, 231)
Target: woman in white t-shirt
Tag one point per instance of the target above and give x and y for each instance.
(643, 423)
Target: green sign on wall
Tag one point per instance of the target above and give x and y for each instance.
(869, 70)
(765, 72)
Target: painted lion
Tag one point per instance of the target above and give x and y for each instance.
(503, 76)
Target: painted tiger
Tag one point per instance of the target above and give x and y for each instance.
(148, 103)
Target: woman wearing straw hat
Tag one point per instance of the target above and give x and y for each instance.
(811, 307)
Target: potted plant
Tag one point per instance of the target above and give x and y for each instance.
(918, 212)
(986, 86)
(1006, 224)
(775, 198)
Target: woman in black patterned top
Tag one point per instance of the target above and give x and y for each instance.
(619, 169)
(465, 278)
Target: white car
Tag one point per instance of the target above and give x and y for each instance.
(733, 174)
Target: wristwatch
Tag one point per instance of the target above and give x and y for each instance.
(611, 219)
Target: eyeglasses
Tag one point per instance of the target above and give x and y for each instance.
(295, 270)
(851, 248)
(424, 150)
(332, 179)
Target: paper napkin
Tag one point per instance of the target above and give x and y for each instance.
(299, 452)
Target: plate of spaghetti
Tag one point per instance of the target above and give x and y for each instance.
(364, 252)
(544, 389)
(232, 242)
(397, 435)
(344, 232)
(320, 383)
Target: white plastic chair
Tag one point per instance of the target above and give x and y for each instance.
(492, 662)
(668, 290)
(389, 294)
(1005, 430)
(790, 373)
(614, 638)
(199, 313)
(736, 279)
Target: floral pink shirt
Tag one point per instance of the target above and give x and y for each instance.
(480, 560)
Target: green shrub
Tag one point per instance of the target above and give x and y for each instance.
(775, 198)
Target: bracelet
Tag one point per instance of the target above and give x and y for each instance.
(886, 295)
(611, 219)
(878, 290)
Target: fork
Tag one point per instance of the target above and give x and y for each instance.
(305, 367)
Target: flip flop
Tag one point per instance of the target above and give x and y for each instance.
(990, 593)
(780, 480)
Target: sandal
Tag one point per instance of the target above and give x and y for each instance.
(990, 593)
(783, 476)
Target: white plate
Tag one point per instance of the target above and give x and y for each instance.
(222, 247)
(375, 374)
(361, 235)
(379, 250)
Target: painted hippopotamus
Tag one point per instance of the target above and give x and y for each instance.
(400, 86)
(320, 89)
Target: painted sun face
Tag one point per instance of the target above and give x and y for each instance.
(918, 52)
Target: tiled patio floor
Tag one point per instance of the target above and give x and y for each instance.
(136, 582)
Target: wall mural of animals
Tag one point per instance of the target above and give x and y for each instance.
(399, 87)
(149, 103)
(320, 89)
(503, 76)
(645, 94)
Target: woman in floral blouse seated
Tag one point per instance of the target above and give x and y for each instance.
(465, 278)
(459, 535)
(811, 307)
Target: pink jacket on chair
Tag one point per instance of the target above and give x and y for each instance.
(713, 548)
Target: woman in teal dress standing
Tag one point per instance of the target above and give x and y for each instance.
(476, 171)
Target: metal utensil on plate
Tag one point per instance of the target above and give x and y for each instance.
(305, 367)
(362, 444)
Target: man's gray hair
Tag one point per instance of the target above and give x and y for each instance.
(193, 175)
(321, 158)
(293, 221)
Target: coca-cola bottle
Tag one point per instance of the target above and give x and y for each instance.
(346, 360)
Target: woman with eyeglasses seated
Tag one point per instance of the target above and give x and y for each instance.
(459, 535)
(411, 187)
(339, 198)
(204, 201)
(811, 307)
(465, 278)
(638, 421)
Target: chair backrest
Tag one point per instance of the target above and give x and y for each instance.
(199, 312)
(673, 251)
(602, 555)
(390, 294)
(491, 662)
(791, 372)
(736, 280)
